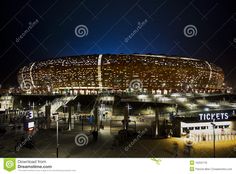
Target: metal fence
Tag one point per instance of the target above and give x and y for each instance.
(210, 137)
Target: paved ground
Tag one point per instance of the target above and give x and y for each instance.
(106, 146)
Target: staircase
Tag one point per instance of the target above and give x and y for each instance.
(57, 103)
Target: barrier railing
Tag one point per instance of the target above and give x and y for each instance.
(210, 137)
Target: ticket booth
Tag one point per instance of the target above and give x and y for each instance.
(201, 123)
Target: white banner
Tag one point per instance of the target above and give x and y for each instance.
(118, 165)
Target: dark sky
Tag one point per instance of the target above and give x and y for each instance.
(116, 26)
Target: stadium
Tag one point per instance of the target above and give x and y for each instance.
(119, 95)
(161, 93)
(89, 74)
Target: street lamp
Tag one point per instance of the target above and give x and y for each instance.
(57, 132)
(56, 115)
(129, 108)
(125, 121)
(214, 138)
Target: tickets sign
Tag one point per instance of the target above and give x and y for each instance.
(217, 116)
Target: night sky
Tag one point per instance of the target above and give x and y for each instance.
(116, 26)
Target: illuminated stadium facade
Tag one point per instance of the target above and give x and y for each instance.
(91, 74)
